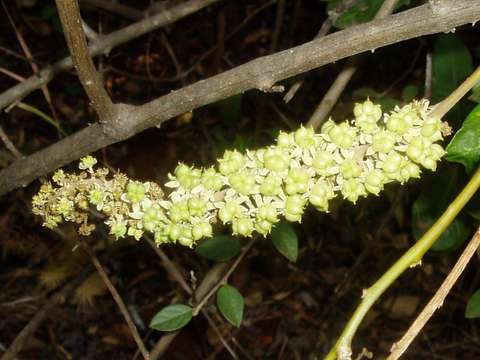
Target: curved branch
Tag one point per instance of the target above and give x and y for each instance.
(261, 73)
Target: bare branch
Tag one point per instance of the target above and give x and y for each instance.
(103, 45)
(69, 13)
(261, 73)
(437, 300)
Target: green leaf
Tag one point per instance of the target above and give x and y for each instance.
(363, 11)
(172, 317)
(472, 310)
(285, 240)
(230, 303)
(219, 248)
(451, 64)
(464, 147)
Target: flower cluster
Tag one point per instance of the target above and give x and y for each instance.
(252, 191)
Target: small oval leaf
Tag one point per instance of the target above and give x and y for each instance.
(230, 303)
(172, 317)
(285, 240)
(464, 147)
(219, 248)
(473, 306)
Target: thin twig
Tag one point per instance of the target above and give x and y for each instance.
(118, 300)
(324, 29)
(224, 278)
(278, 25)
(445, 105)
(170, 266)
(437, 300)
(69, 13)
(8, 144)
(336, 89)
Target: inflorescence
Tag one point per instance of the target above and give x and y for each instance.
(252, 191)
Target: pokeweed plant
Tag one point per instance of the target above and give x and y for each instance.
(251, 191)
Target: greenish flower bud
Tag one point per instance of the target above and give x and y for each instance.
(284, 139)
(383, 142)
(296, 181)
(229, 212)
(432, 129)
(320, 195)
(327, 126)
(416, 148)
(271, 185)
(392, 163)
(231, 162)
(179, 212)
(175, 231)
(64, 207)
(243, 183)
(201, 230)
(118, 229)
(294, 208)
(374, 181)
(411, 170)
(343, 135)
(135, 191)
(87, 162)
(197, 206)
(212, 180)
(368, 108)
(350, 169)
(322, 161)
(186, 238)
(267, 212)
(398, 124)
(242, 226)
(152, 217)
(263, 227)
(275, 159)
(304, 137)
(161, 237)
(352, 189)
(96, 196)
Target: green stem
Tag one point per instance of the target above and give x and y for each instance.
(445, 105)
(412, 257)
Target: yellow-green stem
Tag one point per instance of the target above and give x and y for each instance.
(410, 258)
(445, 105)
